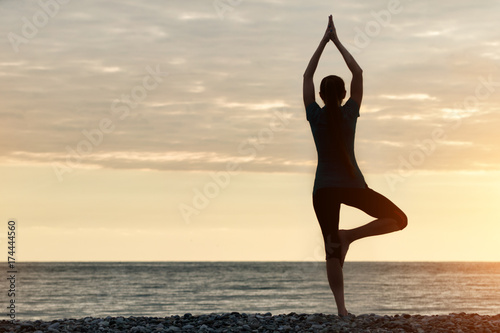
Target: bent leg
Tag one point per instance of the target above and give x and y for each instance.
(377, 227)
(390, 217)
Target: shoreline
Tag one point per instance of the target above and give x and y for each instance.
(258, 322)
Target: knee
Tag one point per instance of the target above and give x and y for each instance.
(402, 220)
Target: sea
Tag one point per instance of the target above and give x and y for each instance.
(59, 290)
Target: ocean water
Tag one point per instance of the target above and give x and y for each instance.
(74, 290)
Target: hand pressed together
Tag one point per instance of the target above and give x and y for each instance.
(331, 32)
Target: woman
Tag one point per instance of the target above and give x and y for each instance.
(338, 177)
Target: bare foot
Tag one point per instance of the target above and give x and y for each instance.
(343, 313)
(344, 245)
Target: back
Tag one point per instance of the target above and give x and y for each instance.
(331, 170)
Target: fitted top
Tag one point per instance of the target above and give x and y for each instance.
(332, 171)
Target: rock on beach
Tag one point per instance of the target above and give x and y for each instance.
(258, 322)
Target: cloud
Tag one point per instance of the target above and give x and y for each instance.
(227, 77)
(418, 97)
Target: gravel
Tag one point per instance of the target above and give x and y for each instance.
(242, 322)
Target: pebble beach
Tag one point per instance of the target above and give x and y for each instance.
(242, 322)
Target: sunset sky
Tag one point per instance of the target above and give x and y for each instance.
(175, 130)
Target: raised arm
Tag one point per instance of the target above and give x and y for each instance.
(357, 72)
(308, 84)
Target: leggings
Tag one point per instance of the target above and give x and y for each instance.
(326, 202)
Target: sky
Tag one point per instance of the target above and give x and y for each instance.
(176, 131)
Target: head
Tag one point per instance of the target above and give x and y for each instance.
(332, 90)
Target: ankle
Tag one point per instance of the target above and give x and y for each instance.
(343, 313)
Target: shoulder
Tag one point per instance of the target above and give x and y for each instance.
(312, 110)
(351, 107)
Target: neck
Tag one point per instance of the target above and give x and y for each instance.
(333, 105)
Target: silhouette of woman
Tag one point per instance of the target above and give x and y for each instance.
(338, 178)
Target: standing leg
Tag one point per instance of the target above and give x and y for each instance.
(336, 282)
(327, 207)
